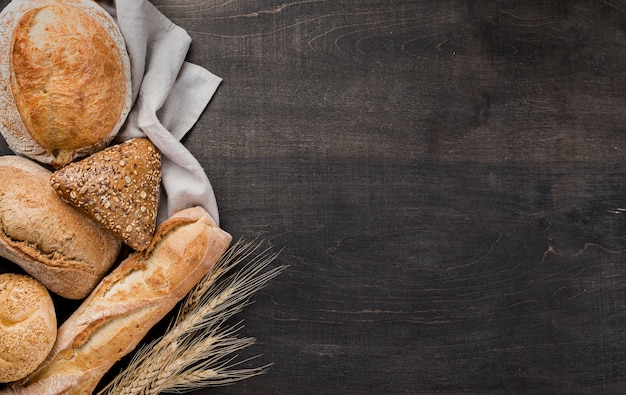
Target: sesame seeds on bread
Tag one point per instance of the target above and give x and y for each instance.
(28, 325)
(118, 187)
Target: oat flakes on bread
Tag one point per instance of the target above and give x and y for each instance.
(28, 325)
(118, 187)
(52, 241)
(65, 86)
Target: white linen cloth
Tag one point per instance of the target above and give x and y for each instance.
(169, 95)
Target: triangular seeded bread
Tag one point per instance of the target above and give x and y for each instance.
(118, 187)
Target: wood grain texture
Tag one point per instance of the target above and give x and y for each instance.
(446, 177)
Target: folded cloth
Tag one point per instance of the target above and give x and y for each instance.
(169, 95)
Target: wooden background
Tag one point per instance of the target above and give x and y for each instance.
(446, 179)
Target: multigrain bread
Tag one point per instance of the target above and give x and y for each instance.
(28, 325)
(51, 240)
(65, 86)
(118, 187)
(127, 303)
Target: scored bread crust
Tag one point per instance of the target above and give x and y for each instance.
(72, 106)
(128, 302)
(28, 325)
(51, 240)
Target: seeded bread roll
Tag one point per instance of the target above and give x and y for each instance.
(118, 187)
(64, 79)
(51, 240)
(28, 325)
(129, 301)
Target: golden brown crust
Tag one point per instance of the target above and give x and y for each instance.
(118, 187)
(127, 303)
(66, 78)
(55, 243)
(28, 326)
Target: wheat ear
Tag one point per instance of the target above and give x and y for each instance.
(199, 347)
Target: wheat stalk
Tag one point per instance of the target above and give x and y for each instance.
(199, 348)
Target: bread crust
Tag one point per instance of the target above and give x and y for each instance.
(118, 187)
(128, 302)
(28, 325)
(51, 240)
(65, 79)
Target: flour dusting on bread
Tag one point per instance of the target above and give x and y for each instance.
(65, 86)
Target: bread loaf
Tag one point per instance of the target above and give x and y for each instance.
(118, 187)
(28, 325)
(51, 240)
(64, 79)
(127, 303)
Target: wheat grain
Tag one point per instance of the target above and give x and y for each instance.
(199, 348)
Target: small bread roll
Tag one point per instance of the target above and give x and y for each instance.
(118, 187)
(28, 325)
(65, 85)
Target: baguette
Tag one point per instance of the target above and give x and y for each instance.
(127, 303)
(52, 241)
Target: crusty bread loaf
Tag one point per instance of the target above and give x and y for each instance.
(127, 303)
(118, 187)
(64, 79)
(51, 240)
(28, 325)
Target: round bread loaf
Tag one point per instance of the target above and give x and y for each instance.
(64, 79)
(28, 325)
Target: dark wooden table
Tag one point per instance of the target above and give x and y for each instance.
(447, 179)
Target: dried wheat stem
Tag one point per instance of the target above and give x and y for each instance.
(199, 348)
